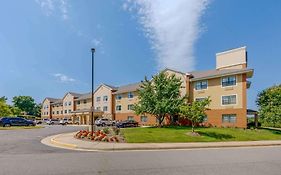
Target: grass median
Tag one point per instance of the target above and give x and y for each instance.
(182, 134)
(20, 127)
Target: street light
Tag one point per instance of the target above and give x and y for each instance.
(92, 107)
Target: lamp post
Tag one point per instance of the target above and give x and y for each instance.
(92, 107)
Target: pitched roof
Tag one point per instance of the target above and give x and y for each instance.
(75, 94)
(52, 99)
(57, 102)
(110, 86)
(200, 75)
(84, 96)
(128, 88)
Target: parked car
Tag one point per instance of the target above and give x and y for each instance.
(127, 123)
(65, 121)
(252, 125)
(104, 122)
(15, 121)
(53, 122)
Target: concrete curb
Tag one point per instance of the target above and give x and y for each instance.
(51, 141)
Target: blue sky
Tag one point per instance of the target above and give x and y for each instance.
(45, 44)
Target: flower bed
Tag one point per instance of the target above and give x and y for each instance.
(98, 136)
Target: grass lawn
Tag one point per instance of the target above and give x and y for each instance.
(179, 134)
(20, 127)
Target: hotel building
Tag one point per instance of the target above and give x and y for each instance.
(226, 86)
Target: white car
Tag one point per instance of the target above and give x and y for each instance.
(53, 122)
(104, 122)
(65, 121)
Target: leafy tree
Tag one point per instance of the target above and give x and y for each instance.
(195, 111)
(159, 97)
(4, 108)
(37, 110)
(269, 102)
(24, 103)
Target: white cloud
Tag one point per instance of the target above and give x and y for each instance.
(63, 78)
(50, 7)
(96, 42)
(172, 26)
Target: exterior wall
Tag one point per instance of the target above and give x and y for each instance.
(232, 57)
(57, 111)
(215, 91)
(124, 102)
(151, 120)
(101, 92)
(46, 109)
(68, 105)
(183, 79)
(84, 104)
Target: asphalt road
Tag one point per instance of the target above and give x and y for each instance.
(22, 153)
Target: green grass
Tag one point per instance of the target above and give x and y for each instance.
(20, 127)
(179, 134)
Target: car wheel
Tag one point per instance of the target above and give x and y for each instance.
(7, 125)
(103, 125)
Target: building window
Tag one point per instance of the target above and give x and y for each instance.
(130, 117)
(65, 111)
(53, 112)
(228, 81)
(229, 118)
(69, 111)
(69, 103)
(65, 104)
(85, 101)
(98, 99)
(130, 95)
(200, 98)
(47, 113)
(105, 98)
(98, 108)
(58, 112)
(143, 118)
(78, 102)
(130, 107)
(118, 108)
(205, 119)
(118, 97)
(104, 108)
(200, 85)
(61, 112)
(228, 100)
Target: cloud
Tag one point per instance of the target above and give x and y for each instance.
(172, 27)
(50, 7)
(96, 42)
(63, 78)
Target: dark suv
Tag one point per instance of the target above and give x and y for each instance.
(15, 121)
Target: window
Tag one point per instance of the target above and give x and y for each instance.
(53, 112)
(78, 102)
(143, 118)
(130, 117)
(229, 118)
(98, 108)
(118, 97)
(200, 85)
(58, 112)
(98, 99)
(130, 107)
(118, 108)
(65, 111)
(105, 98)
(69, 111)
(205, 119)
(200, 98)
(65, 104)
(228, 81)
(105, 108)
(69, 103)
(47, 113)
(85, 101)
(228, 100)
(130, 95)
(61, 112)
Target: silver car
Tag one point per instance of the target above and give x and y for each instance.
(53, 122)
(104, 122)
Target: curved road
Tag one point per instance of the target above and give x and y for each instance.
(22, 153)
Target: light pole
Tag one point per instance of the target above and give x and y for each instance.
(92, 107)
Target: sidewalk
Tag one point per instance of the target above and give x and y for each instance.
(67, 141)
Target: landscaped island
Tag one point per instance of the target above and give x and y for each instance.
(182, 134)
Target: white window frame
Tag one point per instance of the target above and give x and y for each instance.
(118, 97)
(229, 85)
(105, 107)
(130, 95)
(142, 117)
(131, 107)
(200, 82)
(228, 115)
(117, 109)
(236, 101)
(105, 98)
(195, 99)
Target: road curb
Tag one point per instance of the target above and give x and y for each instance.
(51, 141)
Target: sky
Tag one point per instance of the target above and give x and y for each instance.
(45, 45)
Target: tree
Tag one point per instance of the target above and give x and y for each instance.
(159, 97)
(24, 103)
(195, 111)
(37, 110)
(269, 102)
(4, 108)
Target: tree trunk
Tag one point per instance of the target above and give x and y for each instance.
(192, 127)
